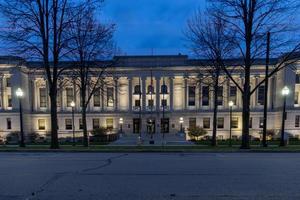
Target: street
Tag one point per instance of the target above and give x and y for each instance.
(155, 176)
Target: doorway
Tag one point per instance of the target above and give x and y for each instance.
(136, 125)
(151, 126)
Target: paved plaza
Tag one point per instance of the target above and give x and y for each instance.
(155, 176)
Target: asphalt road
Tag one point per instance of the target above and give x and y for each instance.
(155, 176)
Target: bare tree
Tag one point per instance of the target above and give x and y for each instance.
(91, 40)
(36, 30)
(208, 39)
(250, 20)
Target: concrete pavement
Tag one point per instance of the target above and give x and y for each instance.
(155, 176)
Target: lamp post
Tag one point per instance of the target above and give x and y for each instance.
(72, 104)
(230, 104)
(181, 124)
(285, 92)
(121, 124)
(20, 94)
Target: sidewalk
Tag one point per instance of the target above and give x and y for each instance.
(168, 140)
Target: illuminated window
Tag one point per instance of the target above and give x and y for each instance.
(96, 123)
(192, 95)
(233, 94)
(206, 122)
(110, 123)
(70, 96)
(110, 97)
(261, 95)
(43, 97)
(68, 123)
(220, 122)
(235, 122)
(97, 98)
(42, 124)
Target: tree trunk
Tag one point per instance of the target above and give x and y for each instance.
(246, 112)
(54, 126)
(216, 90)
(85, 132)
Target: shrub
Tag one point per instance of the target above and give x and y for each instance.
(12, 138)
(33, 137)
(98, 132)
(196, 132)
(270, 133)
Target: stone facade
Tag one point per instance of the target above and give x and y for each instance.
(172, 81)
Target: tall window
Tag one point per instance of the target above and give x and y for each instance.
(261, 95)
(9, 101)
(233, 94)
(8, 82)
(192, 95)
(205, 96)
(297, 78)
(235, 122)
(220, 96)
(250, 122)
(206, 122)
(68, 123)
(41, 124)
(192, 123)
(150, 102)
(110, 123)
(137, 89)
(261, 122)
(70, 96)
(296, 98)
(110, 96)
(43, 97)
(58, 98)
(97, 98)
(96, 123)
(220, 122)
(8, 123)
(80, 124)
(297, 121)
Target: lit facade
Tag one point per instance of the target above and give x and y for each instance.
(153, 87)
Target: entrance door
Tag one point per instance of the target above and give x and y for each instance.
(165, 125)
(150, 126)
(136, 125)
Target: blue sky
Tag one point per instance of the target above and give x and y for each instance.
(143, 25)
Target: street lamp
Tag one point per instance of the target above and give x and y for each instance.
(285, 92)
(20, 94)
(230, 104)
(181, 123)
(121, 124)
(72, 104)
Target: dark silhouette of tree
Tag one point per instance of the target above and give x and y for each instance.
(36, 30)
(208, 39)
(249, 21)
(90, 41)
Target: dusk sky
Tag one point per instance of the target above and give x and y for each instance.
(143, 25)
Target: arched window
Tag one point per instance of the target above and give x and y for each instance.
(164, 89)
(137, 89)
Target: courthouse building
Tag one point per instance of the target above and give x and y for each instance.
(150, 89)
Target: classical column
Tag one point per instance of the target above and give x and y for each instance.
(143, 93)
(129, 93)
(116, 102)
(185, 88)
(157, 87)
(171, 93)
